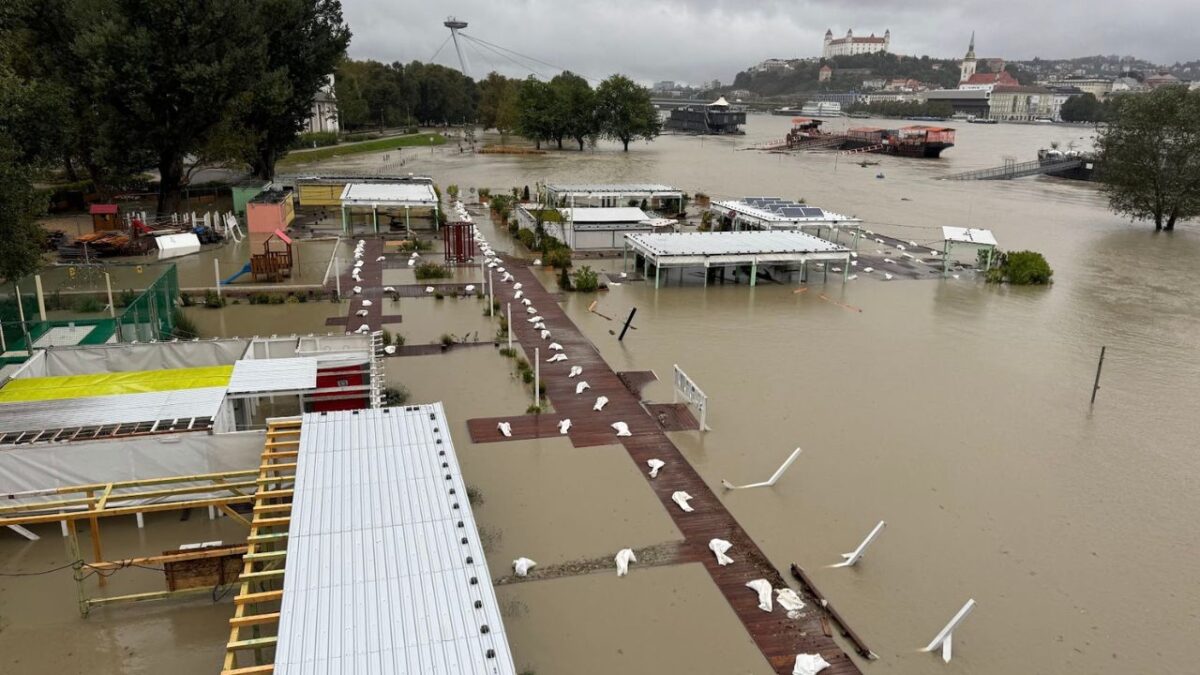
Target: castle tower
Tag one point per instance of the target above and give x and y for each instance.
(968, 63)
(828, 40)
(887, 40)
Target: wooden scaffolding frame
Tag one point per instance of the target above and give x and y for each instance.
(257, 604)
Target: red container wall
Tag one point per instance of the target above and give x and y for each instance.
(350, 376)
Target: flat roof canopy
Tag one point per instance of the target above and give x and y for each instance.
(271, 375)
(617, 214)
(385, 568)
(596, 189)
(389, 194)
(145, 407)
(763, 247)
(966, 235)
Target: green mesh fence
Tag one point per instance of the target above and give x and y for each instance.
(76, 301)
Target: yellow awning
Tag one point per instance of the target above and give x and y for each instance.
(111, 384)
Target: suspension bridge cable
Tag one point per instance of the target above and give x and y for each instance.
(439, 49)
(528, 58)
(520, 65)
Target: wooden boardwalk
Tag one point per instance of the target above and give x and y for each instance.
(780, 639)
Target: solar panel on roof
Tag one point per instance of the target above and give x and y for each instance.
(792, 212)
(814, 212)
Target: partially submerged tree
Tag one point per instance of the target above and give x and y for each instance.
(574, 109)
(535, 111)
(1150, 156)
(624, 111)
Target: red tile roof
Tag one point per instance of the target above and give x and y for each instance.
(1000, 78)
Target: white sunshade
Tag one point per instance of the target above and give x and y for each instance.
(379, 579)
(264, 375)
(389, 194)
(616, 214)
(761, 246)
(966, 235)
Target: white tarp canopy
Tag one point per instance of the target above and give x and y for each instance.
(266, 375)
(606, 215)
(966, 235)
(389, 194)
(175, 245)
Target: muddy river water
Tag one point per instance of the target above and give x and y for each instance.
(956, 411)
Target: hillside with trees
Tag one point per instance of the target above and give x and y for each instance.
(804, 75)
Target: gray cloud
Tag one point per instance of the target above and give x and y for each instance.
(695, 40)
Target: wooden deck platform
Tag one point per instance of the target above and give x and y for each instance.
(779, 638)
(636, 380)
(673, 416)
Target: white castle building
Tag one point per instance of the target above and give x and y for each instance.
(850, 45)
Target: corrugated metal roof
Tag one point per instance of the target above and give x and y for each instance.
(122, 409)
(378, 578)
(389, 194)
(262, 375)
(754, 242)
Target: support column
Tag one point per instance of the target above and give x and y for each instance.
(41, 298)
(989, 258)
(345, 224)
(846, 269)
(375, 218)
(753, 273)
(407, 224)
(656, 268)
(946, 258)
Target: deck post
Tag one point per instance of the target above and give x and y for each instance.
(407, 226)
(846, 269)
(753, 272)
(510, 327)
(344, 223)
(625, 256)
(656, 268)
(375, 218)
(537, 375)
(946, 258)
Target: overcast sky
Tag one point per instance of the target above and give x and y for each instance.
(698, 40)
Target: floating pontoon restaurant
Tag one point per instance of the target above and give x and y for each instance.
(775, 213)
(392, 200)
(715, 251)
(658, 197)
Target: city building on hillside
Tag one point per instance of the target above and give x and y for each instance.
(664, 86)
(844, 98)
(1127, 85)
(988, 81)
(874, 83)
(1059, 96)
(771, 66)
(850, 45)
(1096, 86)
(893, 97)
(993, 64)
(1022, 104)
(324, 114)
(1161, 80)
(824, 74)
(901, 84)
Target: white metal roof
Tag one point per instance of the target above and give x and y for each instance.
(262, 375)
(388, 194)
(770, 218)
(763, 246)
(378, 579)
(615, 214)
(966, 235)
(583, 189)
(120, 409)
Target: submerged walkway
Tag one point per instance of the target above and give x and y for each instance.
(778, 638)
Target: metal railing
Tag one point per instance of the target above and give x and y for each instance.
(1010, 171)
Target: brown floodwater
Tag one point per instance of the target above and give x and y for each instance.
(955, 411)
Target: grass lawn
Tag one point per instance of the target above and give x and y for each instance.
(377, 145)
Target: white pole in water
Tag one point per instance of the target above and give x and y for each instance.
(491, 295)
(337, 277)
(945, 637)
(537, 375)
(769, 482)
(217, 275)
(112, 310)
(510, 326)
(853, 557)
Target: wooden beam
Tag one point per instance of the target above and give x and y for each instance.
(104, 497)
(122, 511)
(253, 643)
(233, 514)
(265, 555)
(269, 522)
(255, 619)
(252, 598)
(250, 670)
(263, 574)
(272, 508)
(198, 554)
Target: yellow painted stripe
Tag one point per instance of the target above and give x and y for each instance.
(111, 384)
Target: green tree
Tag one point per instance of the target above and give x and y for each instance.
(165, 76)
(1150, 156)
(1081, 108)
(535, 111)
(624, 112)
(495, 90)
(304, 39)
(20, 235)
(574, 109)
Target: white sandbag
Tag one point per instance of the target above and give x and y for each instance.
(390, 349)
(545, 333)
(429, 289)
(380, 259)
(358, 263)
(564, 426)
(575, 370)
(556, 358)
(517, 286)
(470, 288)
(720, 546)
(505, 428)
(412, 262)
(763, 588)
(537, 262)
(361, 312)
(357, 290)
(790, 601)
(506, 278)
(531, 310)
(526, 301)
(655, 465)
(518, 294)
(809, 664)
(366, 303)
(501, 269)
(522, 566)
(554, 346)
(541, 325)
(581, 386)
(601, 401)
(682, 498)
(622, 428)
(534, 319)
(389, 289)
(624, 557)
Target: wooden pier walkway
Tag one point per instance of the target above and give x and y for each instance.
(779, 639)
